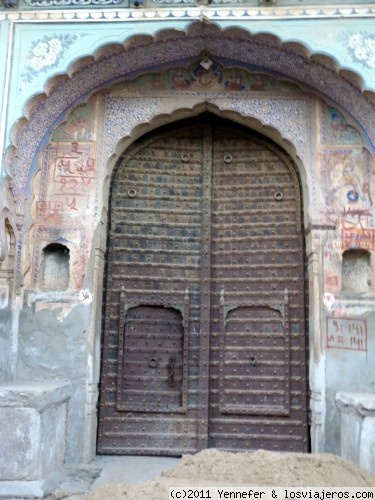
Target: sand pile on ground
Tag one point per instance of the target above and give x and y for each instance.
(260, 468)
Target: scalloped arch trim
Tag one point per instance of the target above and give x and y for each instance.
(142, 54)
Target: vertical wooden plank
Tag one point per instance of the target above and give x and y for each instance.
(205, 291)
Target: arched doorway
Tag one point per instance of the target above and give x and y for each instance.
(204, 342)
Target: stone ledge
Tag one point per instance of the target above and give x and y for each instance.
(38, 395)
(360, 402)
(357, 411)
(32, 434)
(22, 489)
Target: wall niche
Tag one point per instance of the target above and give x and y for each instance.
(7, 263)
(356, 275)
(55, 269)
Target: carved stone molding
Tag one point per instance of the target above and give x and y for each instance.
(212, 12)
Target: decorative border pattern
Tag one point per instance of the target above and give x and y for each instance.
(65, 3)
(288, 115)
(269, 12)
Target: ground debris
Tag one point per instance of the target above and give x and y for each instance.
(260, 468)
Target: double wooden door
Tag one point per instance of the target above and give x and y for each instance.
(204, 341)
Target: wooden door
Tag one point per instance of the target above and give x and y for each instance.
(204, 314)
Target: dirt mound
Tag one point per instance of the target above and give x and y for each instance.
(260, 468)
(264, 468)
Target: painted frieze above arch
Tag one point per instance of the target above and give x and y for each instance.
(336, 129)
(204, 75)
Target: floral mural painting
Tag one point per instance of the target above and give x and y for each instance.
(361, 47)
(46, 53)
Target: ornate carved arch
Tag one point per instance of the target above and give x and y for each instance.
(141, 54)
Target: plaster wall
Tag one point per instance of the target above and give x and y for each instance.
(53, 348)
(346, 370)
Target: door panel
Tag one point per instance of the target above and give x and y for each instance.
(151, 372)
(254, 362)
(257, 301)
(153, 272)
(204, 326)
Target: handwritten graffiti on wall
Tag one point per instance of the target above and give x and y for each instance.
(67, 184)
(347, 333)
(358, 238)
(68, 172)
(74, 167)
(65, 191)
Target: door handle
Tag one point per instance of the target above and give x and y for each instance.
(152, 362)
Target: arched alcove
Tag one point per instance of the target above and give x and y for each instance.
(7, 264)
(357, 273)
(55, 267)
